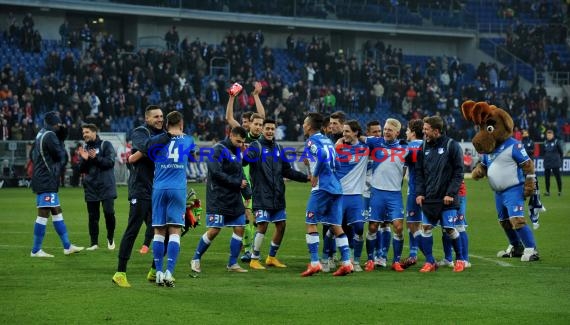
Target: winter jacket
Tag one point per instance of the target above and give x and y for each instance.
(225, 175)
(439, 170)
(99, 181)
(267, 167)
(553, 154)
(142, 172)
(49, 157)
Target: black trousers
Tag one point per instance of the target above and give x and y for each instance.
(94, 215)
(139, 212)
(556, 172)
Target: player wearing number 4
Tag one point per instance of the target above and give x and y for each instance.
(267, 168)
(169, 195)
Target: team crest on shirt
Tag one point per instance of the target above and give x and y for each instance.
(314, 149)
(518, 208)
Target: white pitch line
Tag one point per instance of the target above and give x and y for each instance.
(500, 263)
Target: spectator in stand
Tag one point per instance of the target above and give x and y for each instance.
(172, 39)
(86, 37)
(4, 130)
(566, 131)
(64, 32)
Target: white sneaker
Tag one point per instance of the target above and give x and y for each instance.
(168, 279)
(195, 266)
(40, 253)
(445, 262)
(236, 268)
(111, 245)
(467, 264)
(159, 278)
(356, 267)
(325, 266)
(507, 252)
(380, 261)
(92, 248)
(530, 255)
(72, 249)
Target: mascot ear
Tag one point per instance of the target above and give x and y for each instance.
(507, 120)
(481, 112)
(467, 109)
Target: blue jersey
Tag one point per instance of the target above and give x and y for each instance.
(353, 164)
(503, 165)
(170, 163)
(323, 163)
(414, 148)
(388, 163)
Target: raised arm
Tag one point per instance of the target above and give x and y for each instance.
(258, 105)
(230, 112)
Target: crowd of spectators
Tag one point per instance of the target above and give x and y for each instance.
(24, 35)
(110, 81)
(528, 40)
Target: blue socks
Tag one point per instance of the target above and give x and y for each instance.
(313, 245)
(398, 242)
(273, 249)
(371, 240)
(61, 230)
(427, 245)
(172, 252)
(414, 241)
(342, 244)
(464, 245)
(447, 247)
(39, 233)
(513, 237)
(158, 251)
(203, 246)
(235, 248)
(526, 236)
(385, 239)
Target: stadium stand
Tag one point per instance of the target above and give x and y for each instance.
(306, 76)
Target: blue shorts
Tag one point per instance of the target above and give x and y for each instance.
(510, 203)
(220, 221)
(168, 207)
(352, 209)
(461, 220)
(270, 215)
(413, 210)
(324, 207)
(47, 200)
(386, 206)
(447, 219)
(366, 210)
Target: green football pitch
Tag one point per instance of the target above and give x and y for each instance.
(77, 289)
